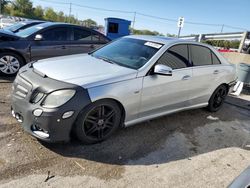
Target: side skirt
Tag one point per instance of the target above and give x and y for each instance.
(142, 119)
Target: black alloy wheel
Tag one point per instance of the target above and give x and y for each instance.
(217, 99)
(98, 121)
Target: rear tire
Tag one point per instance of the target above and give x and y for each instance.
(217, 99)
(10, 63)
(98, 121)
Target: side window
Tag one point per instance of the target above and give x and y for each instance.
(56, 34)
(103, 39)
(200, 55)
(216, 61)
(81, 34)
(95, 37)
(175, 57)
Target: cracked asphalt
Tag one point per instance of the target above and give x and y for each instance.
(193, 148)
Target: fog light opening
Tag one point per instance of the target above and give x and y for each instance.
(19, 118)
(13, 113)
(67, 114)
(39, 131)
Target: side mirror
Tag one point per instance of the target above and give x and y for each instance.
(38, 37)
(163, 70)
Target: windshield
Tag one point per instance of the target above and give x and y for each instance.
(15, 26)
(131, 53)
(29, 31)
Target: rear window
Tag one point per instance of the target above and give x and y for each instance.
(215, 59)
(82, 35)
(200, 55)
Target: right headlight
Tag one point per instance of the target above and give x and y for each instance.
(58, 98)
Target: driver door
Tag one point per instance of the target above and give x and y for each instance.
(54, 42)
(163, 93)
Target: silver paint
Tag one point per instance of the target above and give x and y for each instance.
(142, 96)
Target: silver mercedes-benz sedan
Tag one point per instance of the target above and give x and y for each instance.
(130, 80)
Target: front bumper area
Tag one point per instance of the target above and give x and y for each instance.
(47, 125)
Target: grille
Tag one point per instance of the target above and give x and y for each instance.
(21, 87)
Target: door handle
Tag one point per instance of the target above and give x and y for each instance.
(186, 77)
(63, 47)
(92, 46)
(216, 72)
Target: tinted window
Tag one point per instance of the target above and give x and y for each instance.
(200, 55)
(175, 57)
(113, 28)
(56, 34)
(215, 59)
(103, 39)
(95, 37)
(81, 34)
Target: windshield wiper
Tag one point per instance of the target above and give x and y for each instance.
(105, 59)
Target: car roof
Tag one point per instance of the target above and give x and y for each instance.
(47, 24)
(32, 21)
(164, 40)
(152, 38)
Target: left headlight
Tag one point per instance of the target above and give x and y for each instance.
(58, 98)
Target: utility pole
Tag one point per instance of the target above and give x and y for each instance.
(222, 27)
(133, 26)
(70, 4)
(179, 32)
(0, 6)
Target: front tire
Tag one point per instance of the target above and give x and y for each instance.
(98, 121)
(10, 63)
(217, 99)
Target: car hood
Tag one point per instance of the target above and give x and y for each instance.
(83, 70)
(8, 35)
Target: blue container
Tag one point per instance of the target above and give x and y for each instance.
(116, 27)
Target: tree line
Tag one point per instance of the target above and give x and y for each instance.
(25, 9)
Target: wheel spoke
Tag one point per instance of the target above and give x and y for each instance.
(5, 69)
(101, 111)
(10, 58)
(100, 134)
(2, 66)
(108, 124)
(110, 115)
(91, 119)
(91, 130)
(3, 62)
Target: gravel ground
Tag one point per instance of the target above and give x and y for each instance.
(187, 149)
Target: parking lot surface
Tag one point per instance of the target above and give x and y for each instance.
(194, 148)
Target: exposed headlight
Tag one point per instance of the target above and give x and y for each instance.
(58, 98)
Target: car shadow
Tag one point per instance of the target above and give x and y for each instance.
(7, 79)
(169, 138)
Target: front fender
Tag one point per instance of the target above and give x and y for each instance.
(127, 92)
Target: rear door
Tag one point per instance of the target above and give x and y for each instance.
(55, 42)
(207, 71)
(85, 40)
(167, 93)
